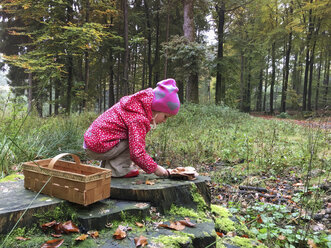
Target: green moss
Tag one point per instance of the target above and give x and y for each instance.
(187, 212)
(198, 199)
(247, 243)
(63, 212)
(220, 211)
(173, 241)
(225, 224)
(11, 178)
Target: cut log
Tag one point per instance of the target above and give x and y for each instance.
(163, 193)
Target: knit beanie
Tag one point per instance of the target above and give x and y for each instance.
(165, 97)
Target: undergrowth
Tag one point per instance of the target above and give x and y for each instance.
(238, 145)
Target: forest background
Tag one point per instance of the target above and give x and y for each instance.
(83, 55)
(68, 61)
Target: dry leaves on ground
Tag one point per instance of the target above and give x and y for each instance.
(120, 232)
(141, 241)
(53, 243)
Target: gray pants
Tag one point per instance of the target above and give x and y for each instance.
(116, 159)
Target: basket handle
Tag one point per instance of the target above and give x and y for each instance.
(56, 158)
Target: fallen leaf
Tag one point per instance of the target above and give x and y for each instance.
(58, 228)
(187, 222)
(259, 219)
(49, 224)
(141, 205)
(22, 238)
(141, 241)
(54, 243)
(93, 234)
(56, 235)
(120, 233)
(139, 224)
(81, 237)
(174, 226)
(150, 182)
(245, 236)
(281, 237)
(231, 234)
(311, 243)
(69, 227)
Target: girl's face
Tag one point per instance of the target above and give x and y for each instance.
(160, 117)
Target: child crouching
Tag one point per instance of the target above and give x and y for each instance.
(117, 137)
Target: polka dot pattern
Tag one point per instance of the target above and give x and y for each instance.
(129, 119)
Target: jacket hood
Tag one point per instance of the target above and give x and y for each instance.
(140, 103)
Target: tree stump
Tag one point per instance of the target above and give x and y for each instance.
(160, 192)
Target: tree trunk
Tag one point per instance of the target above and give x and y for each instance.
(286, 74)
(149, 40)
(167, 39)
(111, 95)
(157, 47)
(248, 91)
(69, 63)
(259, 92)
(311, 73)
(87, 61)
(56, 96)
(143, 80)
(220, 86)
(242, 81)
(126, 48)
(273, 77)
(265, 86)
(50, 97)
(318, 82)
(69, 84)
(305, 82)
(30, 93)
(192, 89)
(326, 80)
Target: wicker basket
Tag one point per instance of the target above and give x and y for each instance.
(75, 182)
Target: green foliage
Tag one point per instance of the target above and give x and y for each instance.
(275, 226)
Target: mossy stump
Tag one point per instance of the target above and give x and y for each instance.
(161, 193)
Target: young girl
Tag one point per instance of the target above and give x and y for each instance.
(117, 137)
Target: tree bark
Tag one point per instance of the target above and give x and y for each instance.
(220, 85)
(266, 85)
(30, 93)
(287, 67)
(157, 47)
(167, 39)
(242, 81)
(87, 61)
(149, 40)
(318, 82)
(126, 48)
(50, 97)
(273, 77)
(111, 95)
(69, 63)
(326, 81)
(192, 88)
(259, 92)
(305, 82)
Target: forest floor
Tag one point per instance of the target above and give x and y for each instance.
(292, 189)
(323, 122)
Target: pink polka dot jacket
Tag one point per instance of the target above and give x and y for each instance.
(129, 119)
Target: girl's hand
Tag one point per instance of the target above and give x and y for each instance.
(161, 172)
